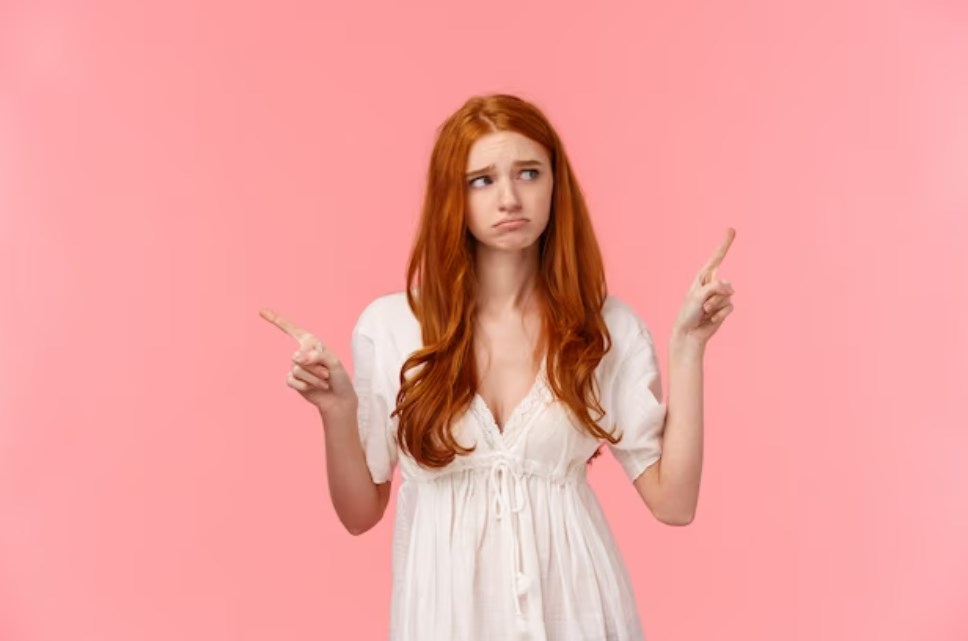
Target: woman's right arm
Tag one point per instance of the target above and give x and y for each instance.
(319, 376)
(359, 502)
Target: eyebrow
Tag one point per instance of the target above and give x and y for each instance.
(517, 163)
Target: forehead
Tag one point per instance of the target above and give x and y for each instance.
(503, 148)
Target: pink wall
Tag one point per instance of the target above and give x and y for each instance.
(167, 171)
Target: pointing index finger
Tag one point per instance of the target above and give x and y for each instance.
(709, 269)
(284, 324)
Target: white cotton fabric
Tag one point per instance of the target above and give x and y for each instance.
(509, 542)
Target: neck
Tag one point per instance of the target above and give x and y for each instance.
(506, 280)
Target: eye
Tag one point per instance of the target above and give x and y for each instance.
(488, 178)
(474, 180)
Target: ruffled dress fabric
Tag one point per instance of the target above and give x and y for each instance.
(510, 541)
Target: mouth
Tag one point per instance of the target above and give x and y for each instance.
(511, 222)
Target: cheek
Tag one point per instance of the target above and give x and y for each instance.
(540, 204)
(476, 211)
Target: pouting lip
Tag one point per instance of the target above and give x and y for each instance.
(510, 220)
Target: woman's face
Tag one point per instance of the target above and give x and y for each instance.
(508, 179)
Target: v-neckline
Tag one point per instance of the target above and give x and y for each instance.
(526, 401)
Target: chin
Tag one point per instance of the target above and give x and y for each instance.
(512, 244)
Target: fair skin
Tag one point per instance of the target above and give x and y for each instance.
(509, 177)
(320, 378)
(671, 486)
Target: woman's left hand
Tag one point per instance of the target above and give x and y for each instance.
(708, 301)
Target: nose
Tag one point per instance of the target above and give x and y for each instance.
(508, 197)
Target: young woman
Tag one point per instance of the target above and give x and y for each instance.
(492, 381)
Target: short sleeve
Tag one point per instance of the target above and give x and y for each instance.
(633, 398)
(371, 381)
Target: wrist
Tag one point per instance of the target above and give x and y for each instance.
(337, 414)
(682, 344)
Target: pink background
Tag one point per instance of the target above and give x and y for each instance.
(166, 171)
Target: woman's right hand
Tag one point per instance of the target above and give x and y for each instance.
(316, 372)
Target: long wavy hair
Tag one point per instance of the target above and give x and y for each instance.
(570, 285)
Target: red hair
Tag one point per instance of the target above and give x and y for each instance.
(570, 283)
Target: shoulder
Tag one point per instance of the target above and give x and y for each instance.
(387, 316)
(627, 329)
(621, 318)
(617, 312)
(383, 308)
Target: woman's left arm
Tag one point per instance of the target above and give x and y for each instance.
(672, 485)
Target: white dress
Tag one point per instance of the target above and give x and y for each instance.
(509, 542)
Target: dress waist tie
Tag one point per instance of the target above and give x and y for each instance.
(508, 495)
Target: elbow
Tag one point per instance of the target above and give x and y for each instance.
(357, 529)
(678, 513)
(672, 517)
(359, 523)
(679, 521)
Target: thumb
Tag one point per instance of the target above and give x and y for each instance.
(326, 357)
